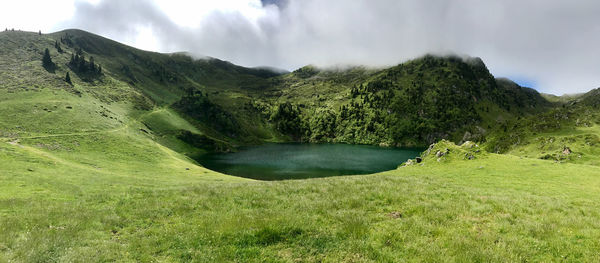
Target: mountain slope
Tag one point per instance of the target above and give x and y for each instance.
(567, 133)
(163, 77)
(414, 103)
(90, 125)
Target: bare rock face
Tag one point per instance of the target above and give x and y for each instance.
(442, 153)
(408, 162)
(566, 150)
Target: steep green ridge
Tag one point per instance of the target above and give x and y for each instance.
(411, 104)
(97, 170)
(415, 103)
(164, 79)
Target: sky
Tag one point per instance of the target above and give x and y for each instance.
(550, 45)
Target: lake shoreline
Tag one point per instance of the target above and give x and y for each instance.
(284, 161)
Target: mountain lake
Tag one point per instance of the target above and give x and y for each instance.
(281, 161)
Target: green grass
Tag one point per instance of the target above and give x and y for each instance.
(582, 142)
(480, 210)
(165, 124)
(165, 120)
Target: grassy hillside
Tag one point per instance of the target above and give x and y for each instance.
(163, 80)
(163, 77)
(567, 133)
(99, 170)
(94, 128)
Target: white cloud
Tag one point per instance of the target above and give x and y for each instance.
(145, 39)
(191, 14)
(31, 15)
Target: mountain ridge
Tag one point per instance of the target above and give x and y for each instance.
(249, 106)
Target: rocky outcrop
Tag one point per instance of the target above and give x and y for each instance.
(445, 151)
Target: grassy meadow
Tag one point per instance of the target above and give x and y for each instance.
(495, 208)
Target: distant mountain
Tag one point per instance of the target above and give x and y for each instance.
(412, 104)
(563, 98)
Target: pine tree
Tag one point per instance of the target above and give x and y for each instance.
(72, 62)
(68, 78)
(82, 64)
(92, 66)
(47, 60)
(40, 32)
(57, 46)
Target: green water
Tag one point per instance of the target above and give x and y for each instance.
(297, 161)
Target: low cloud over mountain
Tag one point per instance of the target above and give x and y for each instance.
(552, 45)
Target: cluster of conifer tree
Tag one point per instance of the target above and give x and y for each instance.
(86, 69)
(79, 64)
